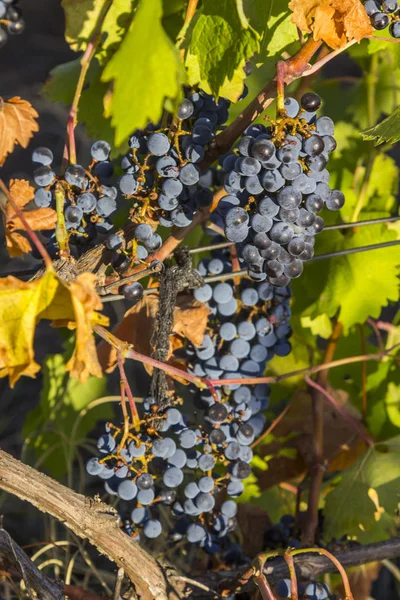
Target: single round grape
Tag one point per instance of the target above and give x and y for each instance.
(217, 413)
(186, 109)
(314, 145)
(127, 490)
(314, 203)
(158, 144)
(73, 214)
(268, 207)
(171, 187)
(292, 107)
(371, 7)
(93, 467)
(241, 470)
(246, 330)
(152, 528)
(281, 233)
(240, 348)
(291, 170)
(43, 176)
(143, 232)
(229, 363)
(100, 150)
(249, 297)
(316, 163)
(273, 268)
(262, 241)
(294, 269)
(42, 198)
(201, 134)
(305, 218)
(317, 226)
(287, 153)
(222, 293)
(258, 353)
(217, 436)
(206, 462)
(189, 174)
(191, 490)
(139, 515)
(304, 184)
(229, 508)
(272, 181)
(390, 6)
(42, 155)
(284, 588)
(206, 484)
(236, 217)
(87, 202)
(15, 28)
(195, 533)
(227, 331)
(146, 497)
(232, 451)
(187, 438)
(144, 481)
(106, 206)
(289, 215)
(154, 243)
(205, 502)
(216, 266)
(253, 185)
(133, 292)
(251, 254)
(325, 126)
(262, 150)
(261, 223)
(310, 102)
(173, 477)
(194, 153)
(136, 451)
(394, 29)
(330, 143)
(289, 197)
(75, 175)
(335, 201)
(178, 459)
(166, 166)
(120, 262)
(296, 246)
(204, 293)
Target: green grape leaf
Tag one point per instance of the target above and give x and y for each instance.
(60, 87)
(387, 130)
(218, 43)
(54, 429)
(147, 53)
(281, 30)
(367, 491)
(356, 285)
(82, 18)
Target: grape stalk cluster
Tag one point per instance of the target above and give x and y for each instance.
(277, 183)
(11, 21)
(383, 13)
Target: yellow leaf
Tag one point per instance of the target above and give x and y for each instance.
(17, 125)
(39, 219)
(335, 22)
(25, 304)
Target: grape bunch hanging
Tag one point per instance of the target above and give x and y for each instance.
(11, 21)
(162, 176)
(276, 184)
(383, 13)
(196, 465)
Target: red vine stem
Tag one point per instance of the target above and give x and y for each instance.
(34, 238)
(85, 64)
(294, 594)
(316, 469)
(131, 400)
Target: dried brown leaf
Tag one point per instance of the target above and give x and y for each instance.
(22, 193)
(136, 328)
(17, 125)
(335, 22)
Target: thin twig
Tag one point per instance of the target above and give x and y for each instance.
(274, 423)
(35, 240)
(294, 594)
(124, 379)
(340, 410)
(118, 583)
(363, 372)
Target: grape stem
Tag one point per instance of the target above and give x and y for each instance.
(61, 231)
(293, 579)
(85, 64)
(131, 400)
(34, 238)
(280, 89)
(317, 467)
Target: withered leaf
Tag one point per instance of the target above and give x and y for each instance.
(22, 193)
(190, 322)
(335, 22)
(17, 124)
(24, 304)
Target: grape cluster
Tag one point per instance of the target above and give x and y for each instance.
(306, 591)
(90, 197)
(383, 13)
(276, 184)
(11, 21)
(197, 465)
(162, 176)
